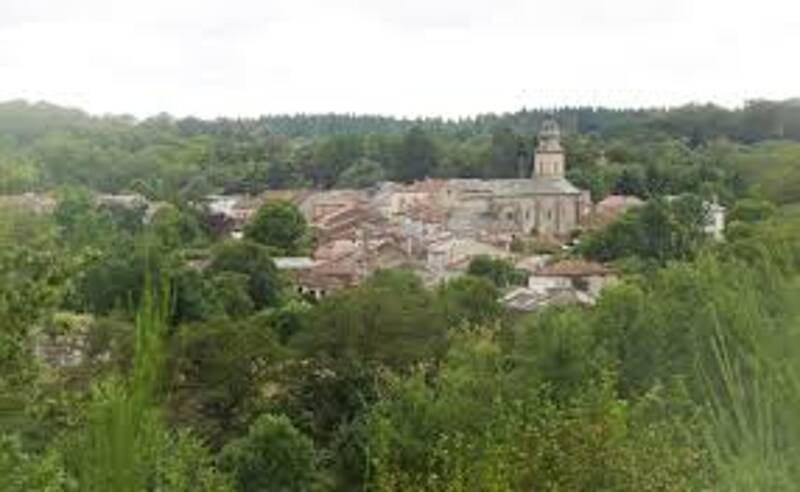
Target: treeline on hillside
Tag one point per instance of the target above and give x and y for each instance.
(646, 152)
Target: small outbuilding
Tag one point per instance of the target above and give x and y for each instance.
(584, 276)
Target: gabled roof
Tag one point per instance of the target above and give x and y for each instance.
(428, 185)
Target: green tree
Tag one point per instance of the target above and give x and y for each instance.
(751, 210)
(418, 156)
(497, 270)
(289, 319)
(248, 258)
(77, 219)
(196, 298)
(362, 174)
(231, 290)
(473, 426)
(113, 278)
(505, 154)
(390, 320)
(23, 472)
(273, 456)
(471, 301)
(124, 444)
(281, 227)
(331, 156)
(660, 231)
(176, 228)
(221, 367)
(555, 348)
(33, 281)
(18, 175)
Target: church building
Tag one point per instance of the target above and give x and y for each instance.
(544, 203)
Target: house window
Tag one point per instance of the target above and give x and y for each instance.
(509, 216)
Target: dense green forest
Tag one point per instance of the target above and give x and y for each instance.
(645, 152)
(684, 376)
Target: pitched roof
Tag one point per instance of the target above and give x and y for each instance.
(332, 274)
(519, 186)
(428, 185)
(573, 268)
(347, 213)
(619, 201)
(523, 299)
(532, 263)
(336, 248)
(426, 212)
(293, 262)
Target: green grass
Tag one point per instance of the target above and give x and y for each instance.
(755, 423)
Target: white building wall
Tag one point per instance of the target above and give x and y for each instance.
(543, 284)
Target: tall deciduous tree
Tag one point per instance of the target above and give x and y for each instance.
(390, 320)
(253, 260)
(273, 457)
(469, 300)
(281, 227)
(418, 156)
(362, 174)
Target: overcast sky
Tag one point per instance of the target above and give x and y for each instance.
(401, 57)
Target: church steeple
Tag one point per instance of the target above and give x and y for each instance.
(549, 158)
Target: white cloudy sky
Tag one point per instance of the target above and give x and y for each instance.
(403, 57)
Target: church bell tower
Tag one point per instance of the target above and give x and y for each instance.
(548, 162)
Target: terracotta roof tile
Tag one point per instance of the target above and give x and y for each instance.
(573, 268)
(619, 201)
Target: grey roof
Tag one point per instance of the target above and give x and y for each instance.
(524, 299)
(293, 262)
(527, 186)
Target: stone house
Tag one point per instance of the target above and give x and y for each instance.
(451, 257)
(525, 299)
(321, 280)
(579, 275)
